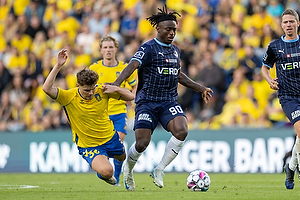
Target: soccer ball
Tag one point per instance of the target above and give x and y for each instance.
(198, 181)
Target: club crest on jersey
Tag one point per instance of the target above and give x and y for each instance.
(98, 97)
(139, 55)
(145, 117)
(176, 54)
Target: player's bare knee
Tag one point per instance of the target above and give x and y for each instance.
(180, 132)
(140, 146)
(107, 173)
(180, 135)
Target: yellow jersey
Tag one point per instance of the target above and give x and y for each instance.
(88, 119)
(109, 74)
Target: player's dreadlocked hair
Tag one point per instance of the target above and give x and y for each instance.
(163, 15)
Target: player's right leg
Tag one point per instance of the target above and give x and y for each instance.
(289, 181)
(104, 169)
(290, 106)
(290, 169)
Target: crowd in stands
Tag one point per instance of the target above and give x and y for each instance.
(222, 43)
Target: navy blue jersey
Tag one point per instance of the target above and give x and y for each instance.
(158, 71)
(286, 55)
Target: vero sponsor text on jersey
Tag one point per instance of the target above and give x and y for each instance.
(166, 70)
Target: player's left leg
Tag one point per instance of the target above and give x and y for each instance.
(118, 164)
(179, 130)
(120, 124)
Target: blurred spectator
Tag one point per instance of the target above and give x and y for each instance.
(260, 18)
(17, 90)
(33, 75)
(65, 5)
(97, 22)
(19, 7)
(18, 120)
(5, 111)
(22, 23)
(115, 35)
(34, 113)
(252, 7)
(275, 113)
(51, 15)
(21, 41)
(39, 45)
(17, 61)
(261, 88)
(188, 98)
(36, 8)
(293, 4)
(230, 59)
(67, 24)
(213, 77)
(268, 36)
(4, 9)
(11, 27)
(82, 59)
(5, 77)
(251, 38)
(129, 24)
(250, 62)
(55, 41)
(236, 90)
(85, 39)
(275, 8)
(35, 26)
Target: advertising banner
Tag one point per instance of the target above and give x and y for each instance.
(224, 151)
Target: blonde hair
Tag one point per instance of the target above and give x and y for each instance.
(290, 12)
(109, 38)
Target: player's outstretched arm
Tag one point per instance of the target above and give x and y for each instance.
(127, 71)
(48, 87)
(187, 82)
(124, 92)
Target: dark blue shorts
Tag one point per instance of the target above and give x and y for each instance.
(120, 122)
(110, 149)
(291, 108)
(148, 114)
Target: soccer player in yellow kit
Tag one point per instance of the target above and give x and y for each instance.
(86, 107)
(108, 70)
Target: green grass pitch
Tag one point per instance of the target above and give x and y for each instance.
(87, 186)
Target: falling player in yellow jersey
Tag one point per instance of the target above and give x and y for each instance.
(108, 70)
(87, 110)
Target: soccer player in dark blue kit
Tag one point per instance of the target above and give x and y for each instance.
(285, 53)
(158, 64)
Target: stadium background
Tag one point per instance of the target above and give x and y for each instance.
(221, 42)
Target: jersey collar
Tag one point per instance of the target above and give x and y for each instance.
(109, 66)
(282, 37)
(162, 44)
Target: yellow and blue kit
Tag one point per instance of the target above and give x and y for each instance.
(89, 119)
